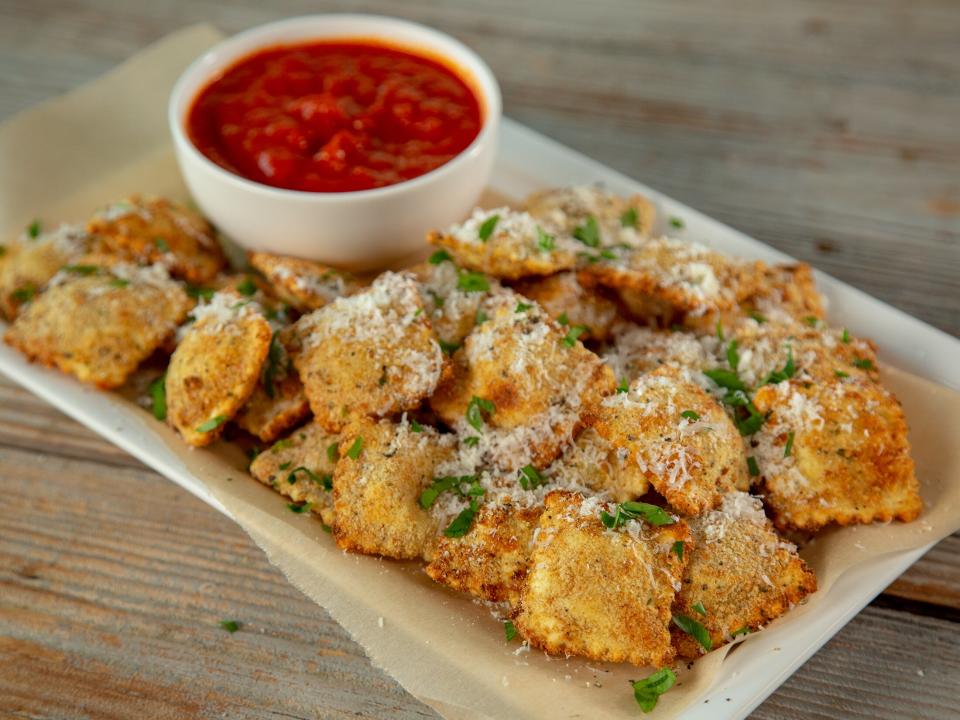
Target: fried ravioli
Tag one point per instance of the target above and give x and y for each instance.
(303, 284)
(216, 366)
(148, 230)
(383, 468)
(99, 325)
(679, 436)
(370, 354)
(569, 303)
(490, 561)
(601, 594)
(667, 278)
(740, 574)
(28, 263)
(279, 402)
(589, 211)
(307, 457)
(594, 462)
(506, 244)
(637, 350)
(520, 385)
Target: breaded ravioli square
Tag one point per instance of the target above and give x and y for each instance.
(594, 462)
(569, 303)
(602, 594)
(490, 560)
(147, 229)
(300, 467)
(452, 306)
(28, 263)
(834, 451)
(787, 292)
(370, 354)
(279, 402)
(591, 213)
(668, 278)
(740, 574)
(302, 284)
(383, 469)
(215, 367)
(507, 244)
(99, 325)
(680, 438)
(520, 385)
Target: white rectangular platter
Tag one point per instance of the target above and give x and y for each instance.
(528, 161)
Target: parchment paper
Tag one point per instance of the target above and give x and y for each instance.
(68, 156)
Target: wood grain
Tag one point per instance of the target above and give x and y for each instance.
(828, 130)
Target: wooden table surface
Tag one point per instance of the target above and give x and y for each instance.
(830, 130)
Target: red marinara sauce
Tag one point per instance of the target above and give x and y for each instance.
(334, 116)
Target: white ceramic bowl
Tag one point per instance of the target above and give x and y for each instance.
(358, 230)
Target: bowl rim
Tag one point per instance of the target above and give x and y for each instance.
(482, 81)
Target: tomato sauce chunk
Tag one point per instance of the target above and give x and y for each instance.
(334, 116)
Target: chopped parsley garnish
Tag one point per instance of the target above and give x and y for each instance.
(470, 281)
(863, 363)
(231, 626)
(588, 233)
(720, 331)
(788, 371)
(522, 307)
(811, 320)
(841, 374)
(733, 357)
(530, 478)
(3, 250)
(272, 366)
(690, 415)
(741, 631)
(509, 631)
(481, 317)
(475, 410)
(281, 445)
(247, 287)
(354, 452)
(563, 319)
(753, 467)
(486, 229)
(698, 606)
(440, 256)
(200, 292)
(324, 481)
(678, 549)
(33, 229)
(326, 528)
(437, 298)
(472, 441)
(419, 312)
(158, 397)
(284, 466)
(624, 385)
(545, 241)
(633, 510)
(570, 339)
(845, 337)
(212, 424)
(448, 348)
(759, 317)
(81, 269)
(788, 448)
(333, 452)
(442, 485)
(726, 379)
(694, 629)
(629, 218)
(299, 509)
(462, 522)
(161, 244)
(119, 282)
(677, 222)
(415, 426)
(648, 691)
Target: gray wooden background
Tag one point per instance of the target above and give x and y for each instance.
(828, 129)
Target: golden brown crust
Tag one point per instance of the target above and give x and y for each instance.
(99, 327)
(309, 447)
(371, 354)
(692, 461)
(619, 220)
(303, 284)
(453, 312)
(513, 249)
(490, 561)
(531, 370)
(146, 230)
(604, 595)
(376, 494)
(594, 462)
(215, 368)
(568, 302)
